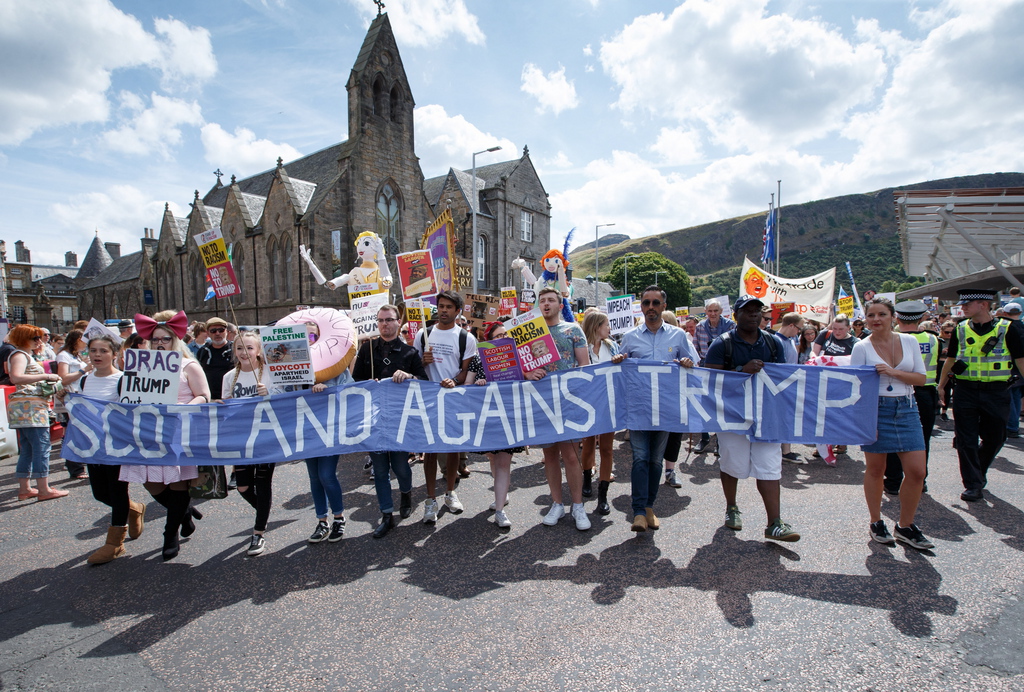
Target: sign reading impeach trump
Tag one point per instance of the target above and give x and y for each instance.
(784, 403)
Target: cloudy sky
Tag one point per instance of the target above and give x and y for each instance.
(652, 115)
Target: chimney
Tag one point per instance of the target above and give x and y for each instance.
(70, 259)
(113, 249)
(21, 253)
(149, 243)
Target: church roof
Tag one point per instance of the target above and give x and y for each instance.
(379, 22)
(492, 173)
(124, 268)
(432, 188)
(254, 205)
(96, 259)
(42, 272)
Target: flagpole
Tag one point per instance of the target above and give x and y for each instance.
(853, 287)
(778, 228)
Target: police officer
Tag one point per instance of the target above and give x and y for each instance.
(909, 314)
(982, 351)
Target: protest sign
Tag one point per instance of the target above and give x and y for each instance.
(364, 314)
(620, 313)
(286, 353)
(218, 265)
(812, 295)
(534, 343)
(416, 272)
(356, 291)
(96, 328)
(507, 307)
(722, 301)
(527, 299)
(890, 296)
(480, 308)
(150, 377)
(845, 305)
(780, 309)
(638, 313)
(682, 312)
(500, 360)
(418, 310)
(438, 240)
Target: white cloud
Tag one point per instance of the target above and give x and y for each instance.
(678, 147)
(560, 161)
(552, 91)
(423, 23)
(153, 130)
(751, 79)
(448, 141)
(59, 57)
(241, 153)
(587, 50)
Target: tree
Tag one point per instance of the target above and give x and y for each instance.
(651, 268)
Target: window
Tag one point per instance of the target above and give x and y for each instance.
(395, 109)
(526, 224)
(273, 260)
(378, 97)
(198, 274)
(481, 262)
(17, 284)
(388, 217)
(238, 261)
(287, 258)
(67, 313)
(510, 226)
(18, 313)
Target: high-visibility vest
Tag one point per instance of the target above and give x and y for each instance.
(994, 367)
(929, 344)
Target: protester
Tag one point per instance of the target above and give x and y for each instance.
(897, 359)
(657, 341)
(1012, 314)
(125, 328)
(28, 412)
(600, 349)
(837, 341)
(405, 333)
(804, 348)
(200, 337)
(48, 352)
(71, 367)
(675, 439)
(858, 329)
(215, 357)
(169, 484)
(378, 359)
(741, 456)
(709, 329)
(790, 328)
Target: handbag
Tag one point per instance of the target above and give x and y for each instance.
(211, 484)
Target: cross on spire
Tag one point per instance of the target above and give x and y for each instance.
(380, 6)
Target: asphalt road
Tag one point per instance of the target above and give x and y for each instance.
(464, 605)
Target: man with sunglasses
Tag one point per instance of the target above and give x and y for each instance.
(653, 340)
(215, 356)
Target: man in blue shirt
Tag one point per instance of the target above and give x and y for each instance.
(657, 341)
(742, 457)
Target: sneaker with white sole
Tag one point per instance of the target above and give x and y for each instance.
(579, 515)
(337, 530)
(880, 534)
(671, 480)
(451, 501)
(494, 506)
(501, 519)
(781, 531)
(257, 545)
(556, 512)
(912, 536)
(430, 511)
(320, 533)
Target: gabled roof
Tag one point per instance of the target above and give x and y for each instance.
(96, 259)
(125, 268)
(254, 206)
(379, 23)
(42, 272)
(432, 188)
(492, 173)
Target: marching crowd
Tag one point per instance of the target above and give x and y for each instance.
(926, 366)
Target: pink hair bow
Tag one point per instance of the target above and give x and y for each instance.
(145, 325)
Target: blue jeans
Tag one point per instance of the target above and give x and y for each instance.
(383, 464)
(1013, 421)
(324, 485)
(648, 451)
(34, 454)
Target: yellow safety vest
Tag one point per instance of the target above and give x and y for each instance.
(929, 344)
(994, 367)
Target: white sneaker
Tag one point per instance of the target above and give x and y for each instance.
(556, 512)
(501, 519)
(493, 506)
(430, 511)
(451, 501)
(579, 514)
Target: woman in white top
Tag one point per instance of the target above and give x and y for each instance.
(602, 350)
(897, 358)
(72, 367)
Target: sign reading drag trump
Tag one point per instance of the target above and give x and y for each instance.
(786, 403)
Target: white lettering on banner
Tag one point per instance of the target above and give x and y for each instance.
(824, 403)
(688, 395)
(609, 382)
(262, 409)
(212, 441)
(419, 410)
(553, 412)
(655, 370)
(764, 382)
(158, 431)
(185, 411)
(571, 398)
(109, 446)
(748, 413)
(367, 417)
(465, 417)
(304, 414)
(493, 407)
(94, 442)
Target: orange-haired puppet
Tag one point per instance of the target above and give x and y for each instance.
(553, 275)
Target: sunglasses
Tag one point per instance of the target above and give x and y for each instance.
(404, 331)
(647, 303)
(386, 320)
(217, 330)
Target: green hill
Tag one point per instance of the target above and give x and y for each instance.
(815, 236)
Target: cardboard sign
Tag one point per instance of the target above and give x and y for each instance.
(96, 328)
(364, 314)
(682, 312)
(286, 353)
(620, 313)
(780, 309)
(507, 307)
(416, 272)
(480, 308)
(218, 265)
(527, 299)
(638, 313)
(150, 377)
(500, 359)
(534, 343)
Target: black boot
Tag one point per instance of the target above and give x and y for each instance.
(588, 483)
(386, 522)
(177, 507)
(405, 508)
(188, 527)
(602, 498)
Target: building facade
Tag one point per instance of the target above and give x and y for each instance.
(40, 294)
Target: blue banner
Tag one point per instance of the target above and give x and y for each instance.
(782, 403)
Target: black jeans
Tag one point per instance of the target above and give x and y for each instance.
(675, 442)
(110, 491)
(980, 425)
(257, 479)
(927, 406)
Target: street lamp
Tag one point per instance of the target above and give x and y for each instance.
(625, 271)
(474, 202)
(656, 277)
(597, 248)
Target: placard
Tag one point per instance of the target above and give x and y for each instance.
(418, 311)
(218, 265)
(150, 377)
(416, 272)
(500, 360)
(527, 299)
(682, 312)
(364, 314)
(286, 353)
(638, 313)
(361, 291)
(620, 313)
(507, 307)
(534, 343)
(780, 309)
(480, 308)
(724, 302)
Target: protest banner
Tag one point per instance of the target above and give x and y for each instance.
(500, 360)
(780, 309)
(480, 308)
(811, 296)
(364, 314)
(507, 307)
(416, 272)
(150, 377)
(781, 403)
(527, 299)
(438, 240)
(620, 313)
(286, 353)
(534, 343)
(218, 265)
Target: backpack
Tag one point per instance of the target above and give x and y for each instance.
(773, 346)
(463, 342)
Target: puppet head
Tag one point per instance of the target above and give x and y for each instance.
(552, 260)
(370, 249)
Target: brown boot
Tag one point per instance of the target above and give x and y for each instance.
(136, 519)
(652, 521)
(113, 548)
(639, 523)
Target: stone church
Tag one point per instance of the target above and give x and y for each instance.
(371, 181)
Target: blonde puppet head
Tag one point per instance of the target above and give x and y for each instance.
(370, 249)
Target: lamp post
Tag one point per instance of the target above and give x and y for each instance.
(597, 249)
(474, 202)
(625, 272)
(656, 277)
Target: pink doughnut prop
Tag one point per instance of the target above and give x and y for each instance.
(336, 346)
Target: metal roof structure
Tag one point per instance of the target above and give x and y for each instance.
(956, 237)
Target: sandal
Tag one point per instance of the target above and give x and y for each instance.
(28, 494)
(52, 495)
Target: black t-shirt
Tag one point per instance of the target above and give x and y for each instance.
(388, 356)
(831, 346)
(216, 362)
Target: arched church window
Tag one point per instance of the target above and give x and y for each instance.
(288, 273)
(238, 261)
(388, 218)
(395, 109)
(378, 97)
(481, 262)
(273, 262)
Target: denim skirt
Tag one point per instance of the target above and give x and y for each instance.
(899, 426)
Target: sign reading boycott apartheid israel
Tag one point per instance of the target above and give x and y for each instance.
(150, 377)
(782, 403)
(620, 313)
(286, 353)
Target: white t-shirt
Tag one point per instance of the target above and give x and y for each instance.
(102, 387)
(74, 365)
(245, 386)
(864, 354)
(444, 344)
